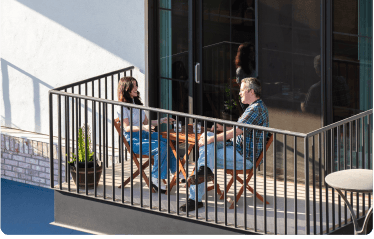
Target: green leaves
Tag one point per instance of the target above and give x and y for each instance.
(83, 148)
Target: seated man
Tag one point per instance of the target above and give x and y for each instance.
(256, 114)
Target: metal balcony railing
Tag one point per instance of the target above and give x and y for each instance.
(300, 202)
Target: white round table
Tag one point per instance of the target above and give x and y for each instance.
(353, 180)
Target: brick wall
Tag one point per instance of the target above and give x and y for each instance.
(27, 161)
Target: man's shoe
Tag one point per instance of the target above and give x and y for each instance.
(154, 182)
(190, 205)
(200, 176)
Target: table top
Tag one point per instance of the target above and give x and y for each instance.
(182, 134)
(354, 180)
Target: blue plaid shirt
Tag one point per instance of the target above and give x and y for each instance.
(255, 114)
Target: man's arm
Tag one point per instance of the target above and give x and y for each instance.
(210, 139)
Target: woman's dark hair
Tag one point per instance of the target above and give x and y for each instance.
(243, 59)
(125, 86)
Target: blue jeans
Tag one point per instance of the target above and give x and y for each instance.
(220, 163)
(154, 151)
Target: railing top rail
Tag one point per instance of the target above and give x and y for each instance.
(93, 78)
(341, 122)
(180, 114)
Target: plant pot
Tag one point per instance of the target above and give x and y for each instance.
(90, 175)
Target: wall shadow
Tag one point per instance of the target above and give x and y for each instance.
(104, 24)
(6, 94)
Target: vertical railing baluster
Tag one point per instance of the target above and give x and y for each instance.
(66, 123)
(86, 144)
(234, 166)
(168, 162)
(320, 184)
(363, 157)
(76, 141)
(254, 160)
(94, 139)
(306, 162)
(285, 181)
(140, 155)
(295, 180)
(113, 152)
(357, 194)
(368, 157)
(159, 161)
(314, 186)
(215, 173)
(275, 182)
(177, 150)
(59, 143)
(121, 149)
(105, 145)
(344, 168)
(186, 163)
(245, 181)
(338, 161)
(224, 172)
(351, 154)
(196, 169)
(327, 211)
(264, 175)
(67, 144)
(205, 169)
(332, 170)
(72, 128)
(131, 157)
(50, 95)
(150, 159)
(99, 105)
(106, 124)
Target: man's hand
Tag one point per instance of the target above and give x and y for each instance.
(209, 140)
(218, 126)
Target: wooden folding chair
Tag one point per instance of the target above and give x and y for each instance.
(249, 174)
(117, 125)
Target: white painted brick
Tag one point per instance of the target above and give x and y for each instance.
(44, 175)
(38, 180)
(32, 172)
(6, 167)
(38, 168)
(11, 162)
(19, 180)
(24, 165)
(5, 155)
(2, 172)
(37, 157)
(19, 170)
(44, 164)
(5, 177)
(11, 174)
(2, 160)
(24, 176)
(32, 161)
(19, 158)
(33, 183)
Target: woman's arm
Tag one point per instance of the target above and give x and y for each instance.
(127, 128)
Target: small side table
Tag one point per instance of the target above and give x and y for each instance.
(353, 180)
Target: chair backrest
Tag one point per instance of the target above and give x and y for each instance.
(268, 143)
(117, 125)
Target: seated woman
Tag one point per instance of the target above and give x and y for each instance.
(128, 93)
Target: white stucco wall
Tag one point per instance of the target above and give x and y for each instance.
(49, 43)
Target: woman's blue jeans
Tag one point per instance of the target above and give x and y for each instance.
(154, 151)
(220, 163)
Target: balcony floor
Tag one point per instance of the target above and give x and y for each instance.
(280, 215)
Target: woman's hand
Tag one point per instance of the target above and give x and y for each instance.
(209, 140)
(165, 120)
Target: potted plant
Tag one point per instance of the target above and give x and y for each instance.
(230, 106)
(80, 161)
